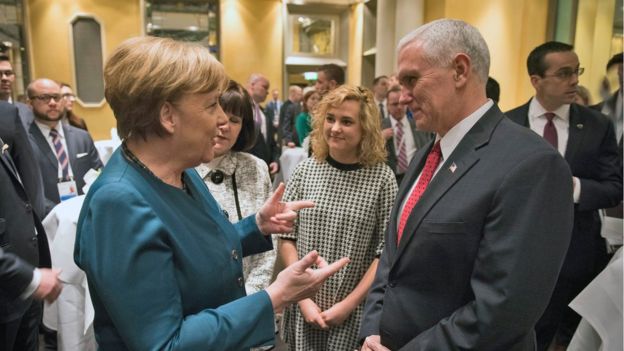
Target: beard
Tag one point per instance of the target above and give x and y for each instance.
(46, 117)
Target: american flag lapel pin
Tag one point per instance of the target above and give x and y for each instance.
(453, 167)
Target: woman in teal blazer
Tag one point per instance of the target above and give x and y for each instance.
(162, 261)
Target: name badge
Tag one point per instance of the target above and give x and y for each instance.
(67, 189)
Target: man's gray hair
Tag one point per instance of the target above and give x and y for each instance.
(442, 39)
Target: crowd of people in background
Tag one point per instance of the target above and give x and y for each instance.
(464, 227)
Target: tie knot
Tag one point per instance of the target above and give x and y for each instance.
(549, 116)
(436, 149)
(53, 133)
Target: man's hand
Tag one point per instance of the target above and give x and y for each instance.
(50, 286)
(298, 281)
(312, 314)
(373, 343)
(387, 133)
(273, 167)
(276, 216)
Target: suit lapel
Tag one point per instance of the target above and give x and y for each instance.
(8, 163)
(72, 147)
(575, 133)
(464, 157)
(42, 144)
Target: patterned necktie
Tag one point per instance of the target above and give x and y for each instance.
(381, 110)
(402, 152)
(433, 160)
(550, 132)
(61, 155)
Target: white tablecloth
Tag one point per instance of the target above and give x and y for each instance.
(289, 159)
(600, 305)
(72, 313)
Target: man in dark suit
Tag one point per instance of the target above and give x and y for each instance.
(402, 137)
(482, 219)
(266, 147)
(612, 106)
(290, 109)
(7, 78)
(25, 246)
(64, 153)
(587, 141)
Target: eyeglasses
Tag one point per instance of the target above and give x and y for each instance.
(566, 73)
(68, 96)
(7, 73)
(45, 98)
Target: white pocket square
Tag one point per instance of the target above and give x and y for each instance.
(82, 155)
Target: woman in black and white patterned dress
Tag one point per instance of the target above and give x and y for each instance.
(353, 190)
(239, 181)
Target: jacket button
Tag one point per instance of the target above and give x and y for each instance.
(34, 238)
(235, 255)
(392, 284)
(241, 281)
(28, 207)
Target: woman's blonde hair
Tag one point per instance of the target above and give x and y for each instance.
(145, 72)
(372, 148)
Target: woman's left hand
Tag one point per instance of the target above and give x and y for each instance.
(336, 315)
(276, 216)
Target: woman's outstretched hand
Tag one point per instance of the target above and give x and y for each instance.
(276, 216)
(299, 281)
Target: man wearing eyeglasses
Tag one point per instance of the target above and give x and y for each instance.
(587, 141)
(65, 153)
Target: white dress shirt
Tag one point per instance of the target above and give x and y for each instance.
(408, 137)
(45, 130)
(537, 122)
(451, 139)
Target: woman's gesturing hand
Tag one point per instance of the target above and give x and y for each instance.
(299, 281)
(277, 216)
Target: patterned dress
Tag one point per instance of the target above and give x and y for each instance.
(353, 204)
(253, 186)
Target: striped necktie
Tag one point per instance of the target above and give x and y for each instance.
(402, 152)
(61, 155)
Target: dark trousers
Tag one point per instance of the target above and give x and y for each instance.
(22, 334)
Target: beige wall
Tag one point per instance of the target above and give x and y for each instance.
(251, 39)
(510, 28)
(593, 44)
(48, 24)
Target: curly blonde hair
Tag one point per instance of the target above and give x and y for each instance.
(372, 148)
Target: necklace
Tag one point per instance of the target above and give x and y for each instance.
(132, 157)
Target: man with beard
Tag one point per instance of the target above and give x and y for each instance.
(64, 153)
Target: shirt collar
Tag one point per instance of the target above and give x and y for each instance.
(224, 163)
(45, 129)
(394, 121)
(454, 136)
(536, 110)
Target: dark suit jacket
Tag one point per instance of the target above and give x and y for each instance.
(266, 149)
(21, 233)
(610, 103)
(592, 156)
(288, 113)
(15, 274)
(79, 142)
(420, 139)
(478, 259)
(13, 134)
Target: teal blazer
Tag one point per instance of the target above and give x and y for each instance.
(164, 267)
